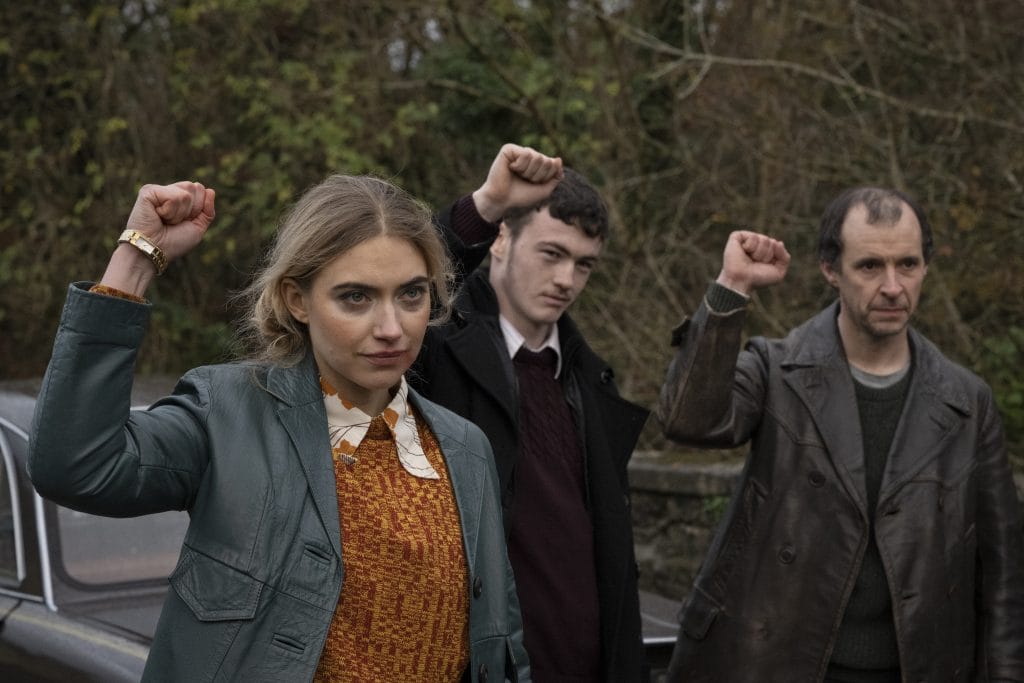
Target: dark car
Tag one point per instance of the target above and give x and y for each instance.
(660, 623)
(80, 595)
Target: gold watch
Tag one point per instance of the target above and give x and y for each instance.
(142, 243)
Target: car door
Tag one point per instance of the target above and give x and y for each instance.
(79, 594)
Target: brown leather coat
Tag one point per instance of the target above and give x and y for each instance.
(770, 596)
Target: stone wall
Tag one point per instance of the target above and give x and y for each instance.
(676, 508)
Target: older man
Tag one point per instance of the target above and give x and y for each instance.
(876, 535)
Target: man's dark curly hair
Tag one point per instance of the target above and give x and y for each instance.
(574, 201)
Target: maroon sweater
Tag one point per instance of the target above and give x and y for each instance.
(551, 541)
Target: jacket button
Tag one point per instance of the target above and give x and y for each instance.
(816, 478)
(787, 554)
(482, 674)
(478, 587)
(607, 375)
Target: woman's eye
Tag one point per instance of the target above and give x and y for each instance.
(354, 297)
(414, 293)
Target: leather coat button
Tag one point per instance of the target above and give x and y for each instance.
(478, 587)
(816, 478)
(482, 674)
(787, 554)
(607, 375)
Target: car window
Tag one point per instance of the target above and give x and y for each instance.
(8, 545)
(12, 551)
(106, 550)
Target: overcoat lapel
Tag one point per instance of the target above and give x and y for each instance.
(933, 412)
(829, 398)
(478, 346)
(816, 370)
(303, 416)
(486, 361)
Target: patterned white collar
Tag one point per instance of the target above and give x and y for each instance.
(347, 426)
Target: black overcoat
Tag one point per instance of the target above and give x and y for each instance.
(465, 366)
(768, 601)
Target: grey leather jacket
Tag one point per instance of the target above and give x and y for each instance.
(770, 596)
(245, 450)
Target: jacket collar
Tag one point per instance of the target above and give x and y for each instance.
(295, 385)
(301, 412)
(816, 369)
(477, 298)
(479, 341)
(477, 295)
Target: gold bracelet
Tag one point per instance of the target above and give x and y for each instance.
(142, 243)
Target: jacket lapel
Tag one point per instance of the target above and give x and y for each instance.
(303, 416)
(466, 470)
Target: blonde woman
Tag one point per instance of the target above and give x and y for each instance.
(342, 527)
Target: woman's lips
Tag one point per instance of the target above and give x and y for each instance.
(385, 357)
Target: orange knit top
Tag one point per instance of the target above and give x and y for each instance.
(403, 614)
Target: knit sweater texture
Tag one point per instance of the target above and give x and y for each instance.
(866, 649)
(551, 544)
(404, 607)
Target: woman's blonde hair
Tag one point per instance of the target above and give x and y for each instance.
(328, 220)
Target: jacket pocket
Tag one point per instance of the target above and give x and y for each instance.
(733, 539)
(213, 590)
(488, 659)
(698, 616)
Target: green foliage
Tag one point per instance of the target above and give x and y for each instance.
(695, 118)
(999, 361)
(714, 508)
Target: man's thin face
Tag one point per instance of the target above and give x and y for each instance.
(538, 274)
(879, 274)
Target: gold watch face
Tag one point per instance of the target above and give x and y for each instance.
(142, 243)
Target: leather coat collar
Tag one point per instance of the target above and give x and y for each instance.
(816, 369)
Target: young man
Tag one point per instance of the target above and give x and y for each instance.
(512, 361)
(876, 532)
